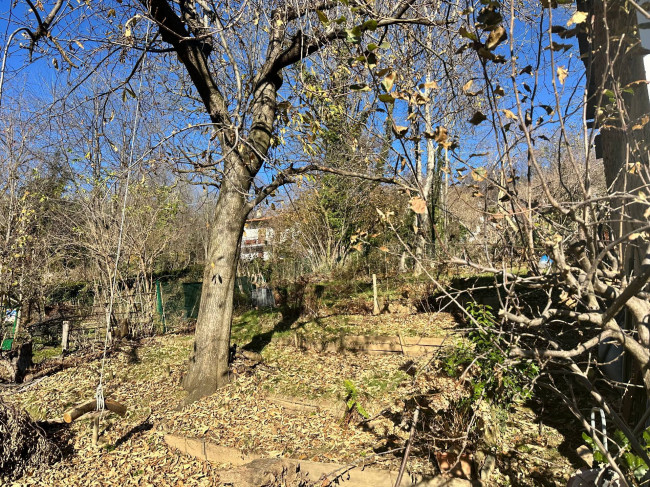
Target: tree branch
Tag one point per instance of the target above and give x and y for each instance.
(286, 177)
(566, 354)
(174, 32)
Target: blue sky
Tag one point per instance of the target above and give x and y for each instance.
(40, 77)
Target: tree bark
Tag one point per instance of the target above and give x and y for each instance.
(615, 62)
(427, 220)
(208, 368)
(402, 262)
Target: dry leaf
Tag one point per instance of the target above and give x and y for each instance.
(496, 37)
(562, 73)
(577, 18)
(477, 118)
(440, 135)
(400, 130)
(418, 205)
(430, 85)
(509, 114)
(388, 81)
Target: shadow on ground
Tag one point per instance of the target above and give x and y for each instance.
(61, 435)
(261, 340)
(145, 425)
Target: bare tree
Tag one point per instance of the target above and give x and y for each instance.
(580, 302)
(235, 59)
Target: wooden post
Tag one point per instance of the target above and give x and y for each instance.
(64, 336)
(375, 308)
(95, 429)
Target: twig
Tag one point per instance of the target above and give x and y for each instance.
(338, 473)
(466, 440)
(640, 9)
(402, 467)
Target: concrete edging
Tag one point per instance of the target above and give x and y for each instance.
(355, 477)
(206, 451)
(386, 344)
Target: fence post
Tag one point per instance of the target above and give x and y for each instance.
(375, 308)
(64, 336)
(160, 306)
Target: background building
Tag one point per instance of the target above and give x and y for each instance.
(257, 239)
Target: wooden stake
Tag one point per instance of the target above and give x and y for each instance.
(64, 336)
(375, 309)
(95, 429)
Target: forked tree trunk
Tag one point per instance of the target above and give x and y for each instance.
(243, 159)
(208, 368)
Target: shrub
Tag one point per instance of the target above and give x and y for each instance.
(485, 359)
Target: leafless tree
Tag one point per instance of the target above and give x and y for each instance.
(578, 226)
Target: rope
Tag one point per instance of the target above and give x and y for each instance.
(99, 397)
(99, 393)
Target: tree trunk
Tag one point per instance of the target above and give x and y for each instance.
(402, 262)
(208, 368)
(624, 139)
(617, 62)
(420, 243)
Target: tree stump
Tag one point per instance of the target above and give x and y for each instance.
(14, 363)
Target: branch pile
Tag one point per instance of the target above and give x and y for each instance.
(23, 445)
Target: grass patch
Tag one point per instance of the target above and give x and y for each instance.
(424, 325)
(250, 324)
(322, 376)
(256, 329)
(45, 353)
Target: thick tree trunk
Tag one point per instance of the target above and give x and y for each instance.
(617, 63)
(208, 369)
(624, 137)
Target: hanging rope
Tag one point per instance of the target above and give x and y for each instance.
(99, 393)
(99, 397)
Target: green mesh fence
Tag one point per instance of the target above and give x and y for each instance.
(191, 299)
(192, 295)
(177, 301)
(8, 331)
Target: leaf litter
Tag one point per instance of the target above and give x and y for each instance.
(147, 379)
